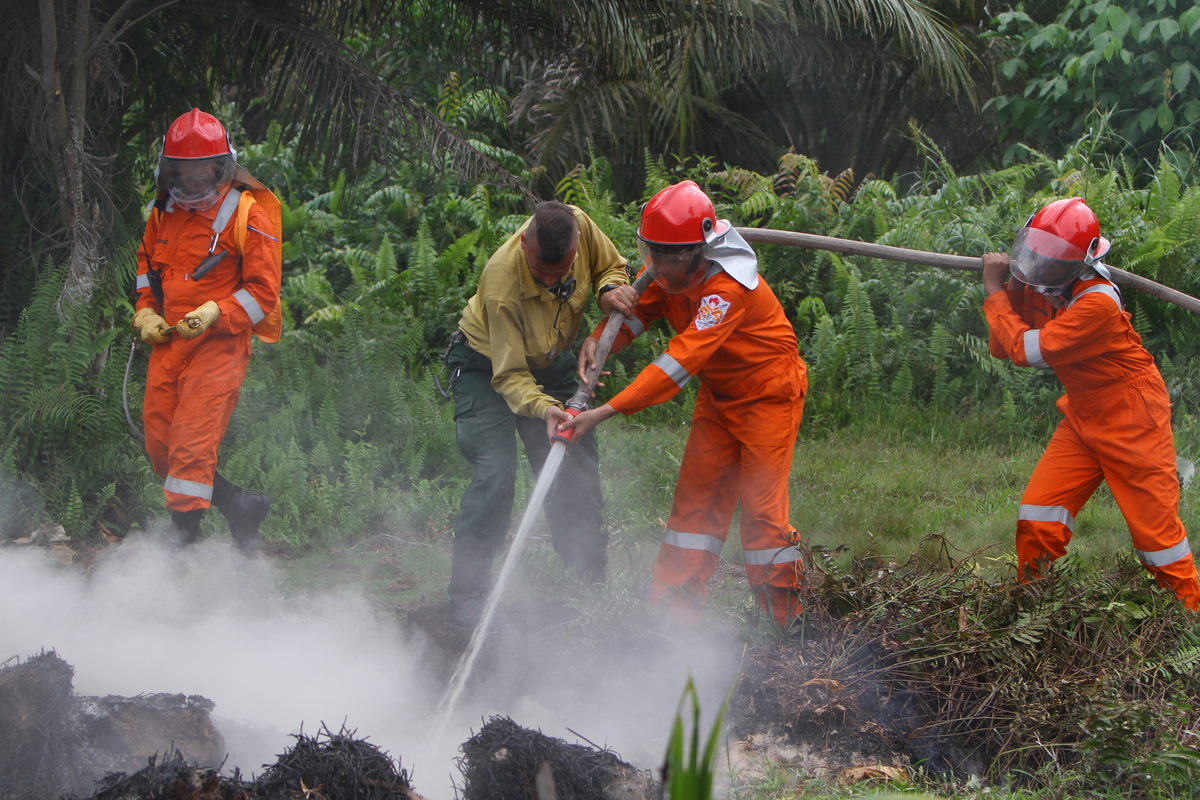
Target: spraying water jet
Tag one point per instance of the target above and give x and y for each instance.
(578, 402)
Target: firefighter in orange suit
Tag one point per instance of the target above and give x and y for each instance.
(209, 265)
(732, 333)
(1062, 311)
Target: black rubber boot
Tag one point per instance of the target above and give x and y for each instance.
(589, 564)
(470, 582)
(185, 528)
(244, 511)
(592, 570)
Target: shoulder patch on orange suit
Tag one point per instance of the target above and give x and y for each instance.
(711, 312)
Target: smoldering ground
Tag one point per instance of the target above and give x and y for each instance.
(212, 623)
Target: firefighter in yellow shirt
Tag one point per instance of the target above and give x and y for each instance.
(512, 372)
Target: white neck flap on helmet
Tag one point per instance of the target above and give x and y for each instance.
(734, 255)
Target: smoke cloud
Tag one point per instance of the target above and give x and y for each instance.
(212, 623)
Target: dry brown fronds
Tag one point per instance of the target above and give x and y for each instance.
(1089, 666)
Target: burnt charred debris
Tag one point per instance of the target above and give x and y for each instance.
(1092, 667)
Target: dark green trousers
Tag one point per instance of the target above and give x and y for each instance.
(486, 429)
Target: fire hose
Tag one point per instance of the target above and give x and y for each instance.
(943, 260)
(133, 347)
(579, 401)
(1185, 468)
(583, 395)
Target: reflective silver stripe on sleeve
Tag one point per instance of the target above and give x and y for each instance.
(774, 555)
(251, 305)
(190, 488)
(635, 326)
(1160, 558)
(1033, 349)
(1103, 288)
(675, 371)
(228, 209)
(693, 541)
(1047, 514)
(143, 282)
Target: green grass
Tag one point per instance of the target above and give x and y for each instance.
(871, 490)
(401, 572)
(867, 490)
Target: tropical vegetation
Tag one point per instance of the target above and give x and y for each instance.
(408, 139)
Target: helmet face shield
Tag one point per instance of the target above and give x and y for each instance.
(675, 268)
(196, 183)
(1040, 258)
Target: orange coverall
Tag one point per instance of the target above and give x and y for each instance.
(192, 385)
(741, 345)
(1116, 427)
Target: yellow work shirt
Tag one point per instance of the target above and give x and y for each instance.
(511, 317)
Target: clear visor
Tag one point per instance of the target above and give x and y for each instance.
(196, 183)
(1042, 259)
(675, 268)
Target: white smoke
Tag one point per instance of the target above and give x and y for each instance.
(212, 623)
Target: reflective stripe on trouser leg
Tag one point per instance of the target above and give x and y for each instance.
(681, 576)
(210, 373)
(188, 488)
(1144, 482)
(742, 451)
(705, 499)
(1161, 558)
(1065, 477)
(768, 430)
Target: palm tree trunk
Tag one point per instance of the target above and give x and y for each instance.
(66, 129)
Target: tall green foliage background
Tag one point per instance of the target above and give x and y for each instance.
(339, 422)
(1135, 60)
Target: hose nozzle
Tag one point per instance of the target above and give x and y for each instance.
(567, 437)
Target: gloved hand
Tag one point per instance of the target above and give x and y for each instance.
(196, 322)
(151, 326)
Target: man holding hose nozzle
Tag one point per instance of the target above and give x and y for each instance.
(209, 271)
(733, 334)
(512, 372)
(1061, 311)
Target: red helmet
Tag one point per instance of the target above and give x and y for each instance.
(677, 229)
(1057, 244)
(197, 161)
(196, 135)
(680, 214)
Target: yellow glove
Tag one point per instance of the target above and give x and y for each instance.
(197, 321)
(152, 327)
